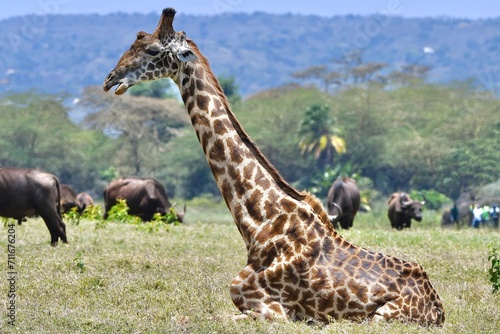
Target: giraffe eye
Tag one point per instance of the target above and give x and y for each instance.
(152, 52)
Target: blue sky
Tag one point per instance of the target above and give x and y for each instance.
(472, 9)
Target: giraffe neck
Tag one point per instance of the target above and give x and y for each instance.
(247, 181)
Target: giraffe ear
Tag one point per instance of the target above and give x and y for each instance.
(186, 55)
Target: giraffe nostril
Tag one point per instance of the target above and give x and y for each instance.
(110, 76)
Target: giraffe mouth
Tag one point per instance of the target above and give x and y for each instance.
(122, 85)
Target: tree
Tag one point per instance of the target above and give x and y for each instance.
(469, 165)
(230, 89)
(36, 132)
(319, 136)
(321, 73)
(143, 124)
(160, 89)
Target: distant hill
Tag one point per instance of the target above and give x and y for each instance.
(59, 53)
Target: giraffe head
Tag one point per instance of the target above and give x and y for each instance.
(151, 56)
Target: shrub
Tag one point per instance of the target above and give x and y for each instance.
(433, 199)
(494, 271)
(72, 216)
(92, 212)
(119, 212)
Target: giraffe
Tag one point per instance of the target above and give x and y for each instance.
(298, 267)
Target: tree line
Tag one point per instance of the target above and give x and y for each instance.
(418, 136)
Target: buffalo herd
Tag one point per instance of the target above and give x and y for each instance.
(343, 202)
(30, 192)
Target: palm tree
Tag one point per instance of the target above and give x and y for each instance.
(319, 136)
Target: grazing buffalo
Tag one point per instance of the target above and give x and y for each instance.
(68, 199)
(84, 201)
(144, 197)
(343, 202)
(25, 192)
(402, 209)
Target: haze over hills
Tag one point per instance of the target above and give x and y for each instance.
(64, 53)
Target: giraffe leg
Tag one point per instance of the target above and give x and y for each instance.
(252, 299)
(389, 310)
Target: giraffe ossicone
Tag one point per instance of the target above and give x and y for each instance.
(299, 267)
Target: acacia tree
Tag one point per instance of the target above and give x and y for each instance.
(143, 124)
(319, 136)
(322, 74)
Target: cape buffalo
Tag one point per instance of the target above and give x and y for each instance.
(144, 197)
(68, 199)
(25, 192)
(84, 201)
(343, 202)
(402, 209)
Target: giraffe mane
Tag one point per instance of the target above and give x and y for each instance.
(284, 185)
(318, 208)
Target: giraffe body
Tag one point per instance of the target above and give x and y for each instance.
(299, 267)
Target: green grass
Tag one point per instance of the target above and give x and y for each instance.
(119, 279)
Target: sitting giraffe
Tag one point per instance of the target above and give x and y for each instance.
(299, 267)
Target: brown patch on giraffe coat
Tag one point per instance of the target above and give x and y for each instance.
(202, 102)
(277, 226)
(290, 294)
(200, 85)
(220, 126)
(254, 294)
(190, 106)
(270, 206)
(237, 154)
(359, 290)
(312, 250)
(326, 302)
(217, 151)
(204, 140)
(252, 205)
(226, 190)
(248, 171)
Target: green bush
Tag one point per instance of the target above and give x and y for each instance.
(119, 212)
(494, 271)
(92, 213)
(433, 199)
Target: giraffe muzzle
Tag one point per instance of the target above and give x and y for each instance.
(112, 81)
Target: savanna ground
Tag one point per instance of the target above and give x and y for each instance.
(121, 279)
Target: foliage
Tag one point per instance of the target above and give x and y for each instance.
(141, 126)
(93, 212)
(401, 139)
(494, 271)
(319, 135)
(322, 181)
(471, 163)
(72, 216)
(433, 199)
(230, 89)
(109, 174)
(119, 212)
(36, 132)
(80, 263)
(160, 89)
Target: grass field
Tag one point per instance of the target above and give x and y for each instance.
(121, 279)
